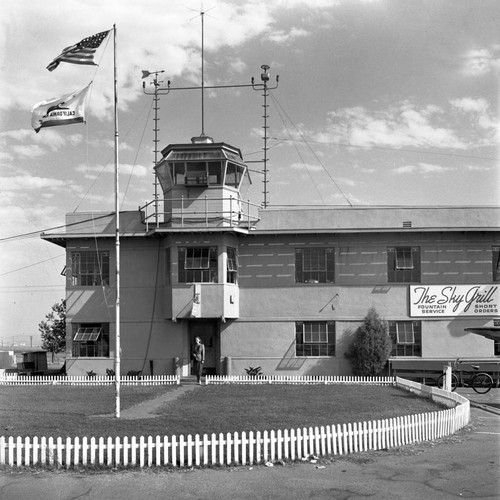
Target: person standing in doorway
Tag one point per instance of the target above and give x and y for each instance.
(198, 354)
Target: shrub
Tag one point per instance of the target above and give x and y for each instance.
(372, 346)
(254, 372)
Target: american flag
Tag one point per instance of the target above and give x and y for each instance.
(80, 53)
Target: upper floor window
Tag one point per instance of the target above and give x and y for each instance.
(406, 338)
(315, 338)
(89, 268)
(198, 265)
(403, 265)
(496, 263)
(232, 265)
(90, 340)
(314, 265)
(496, 348)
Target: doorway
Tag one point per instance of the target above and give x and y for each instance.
(208, 331)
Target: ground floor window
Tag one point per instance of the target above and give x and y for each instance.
(314, 338)
(90, 340)
(406, 338)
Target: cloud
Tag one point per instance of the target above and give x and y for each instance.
(28, 151)
(422, 169)
(25, 143)
(30, 182)
(407, 125)
(282, 36)
(478, 112)
(468, 104)
(307, 167)
(479, 62)
(124, 168)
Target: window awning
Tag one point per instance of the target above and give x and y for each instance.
(87, 334)
(490, 332)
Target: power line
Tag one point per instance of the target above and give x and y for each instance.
(40, 231)
(31, 265)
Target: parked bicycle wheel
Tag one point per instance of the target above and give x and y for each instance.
(454, 381)
(481, 383)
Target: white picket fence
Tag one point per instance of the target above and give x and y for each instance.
(97, 380)
(242, 448)
(292, 379)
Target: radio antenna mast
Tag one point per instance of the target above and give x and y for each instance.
(263, 86)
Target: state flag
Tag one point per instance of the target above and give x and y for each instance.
(64, 110)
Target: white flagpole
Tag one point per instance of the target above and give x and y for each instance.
(117, 242)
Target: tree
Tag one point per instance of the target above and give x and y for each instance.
(372, 346)
(53, 329)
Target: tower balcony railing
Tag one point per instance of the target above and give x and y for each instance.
(199, 212)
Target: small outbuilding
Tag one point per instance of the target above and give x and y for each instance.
(33, 361)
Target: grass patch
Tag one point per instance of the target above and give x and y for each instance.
(68, 410)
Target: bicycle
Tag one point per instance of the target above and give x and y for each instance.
(481, 382)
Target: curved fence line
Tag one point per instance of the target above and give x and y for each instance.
(244, 448)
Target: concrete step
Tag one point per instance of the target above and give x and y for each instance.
(190, 380)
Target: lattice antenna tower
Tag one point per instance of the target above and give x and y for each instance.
(156, 83)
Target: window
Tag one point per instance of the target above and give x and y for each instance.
(178, 172)
(406, 338)
(90, 268)
(198, 265)
(168, 279)
(496, 264)
(404, 333)
(234, 174)
(214, 172)
(196, 174)
(91, 340)
(315, 338)
(403, 265)
(496, 348)
(232, 265)
(314, 265)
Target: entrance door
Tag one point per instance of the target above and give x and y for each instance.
(208, 331)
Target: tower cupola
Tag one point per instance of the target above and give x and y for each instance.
(202, 182)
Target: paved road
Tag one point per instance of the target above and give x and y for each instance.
(465, 465)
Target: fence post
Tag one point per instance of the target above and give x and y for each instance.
(447, 377)
(227, 361)
(177, 367)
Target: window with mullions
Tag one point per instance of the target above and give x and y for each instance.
(314, 338)
(403, 265)
(90, 340)
(314, 265)
(496, 348)
(406, 338)
(232, 265)
(197, 265)
(90, 268)
(496, 264)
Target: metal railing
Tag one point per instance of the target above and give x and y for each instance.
(200, 212)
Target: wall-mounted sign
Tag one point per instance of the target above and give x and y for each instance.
(454, 300)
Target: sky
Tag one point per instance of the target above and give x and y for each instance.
(379, 102)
